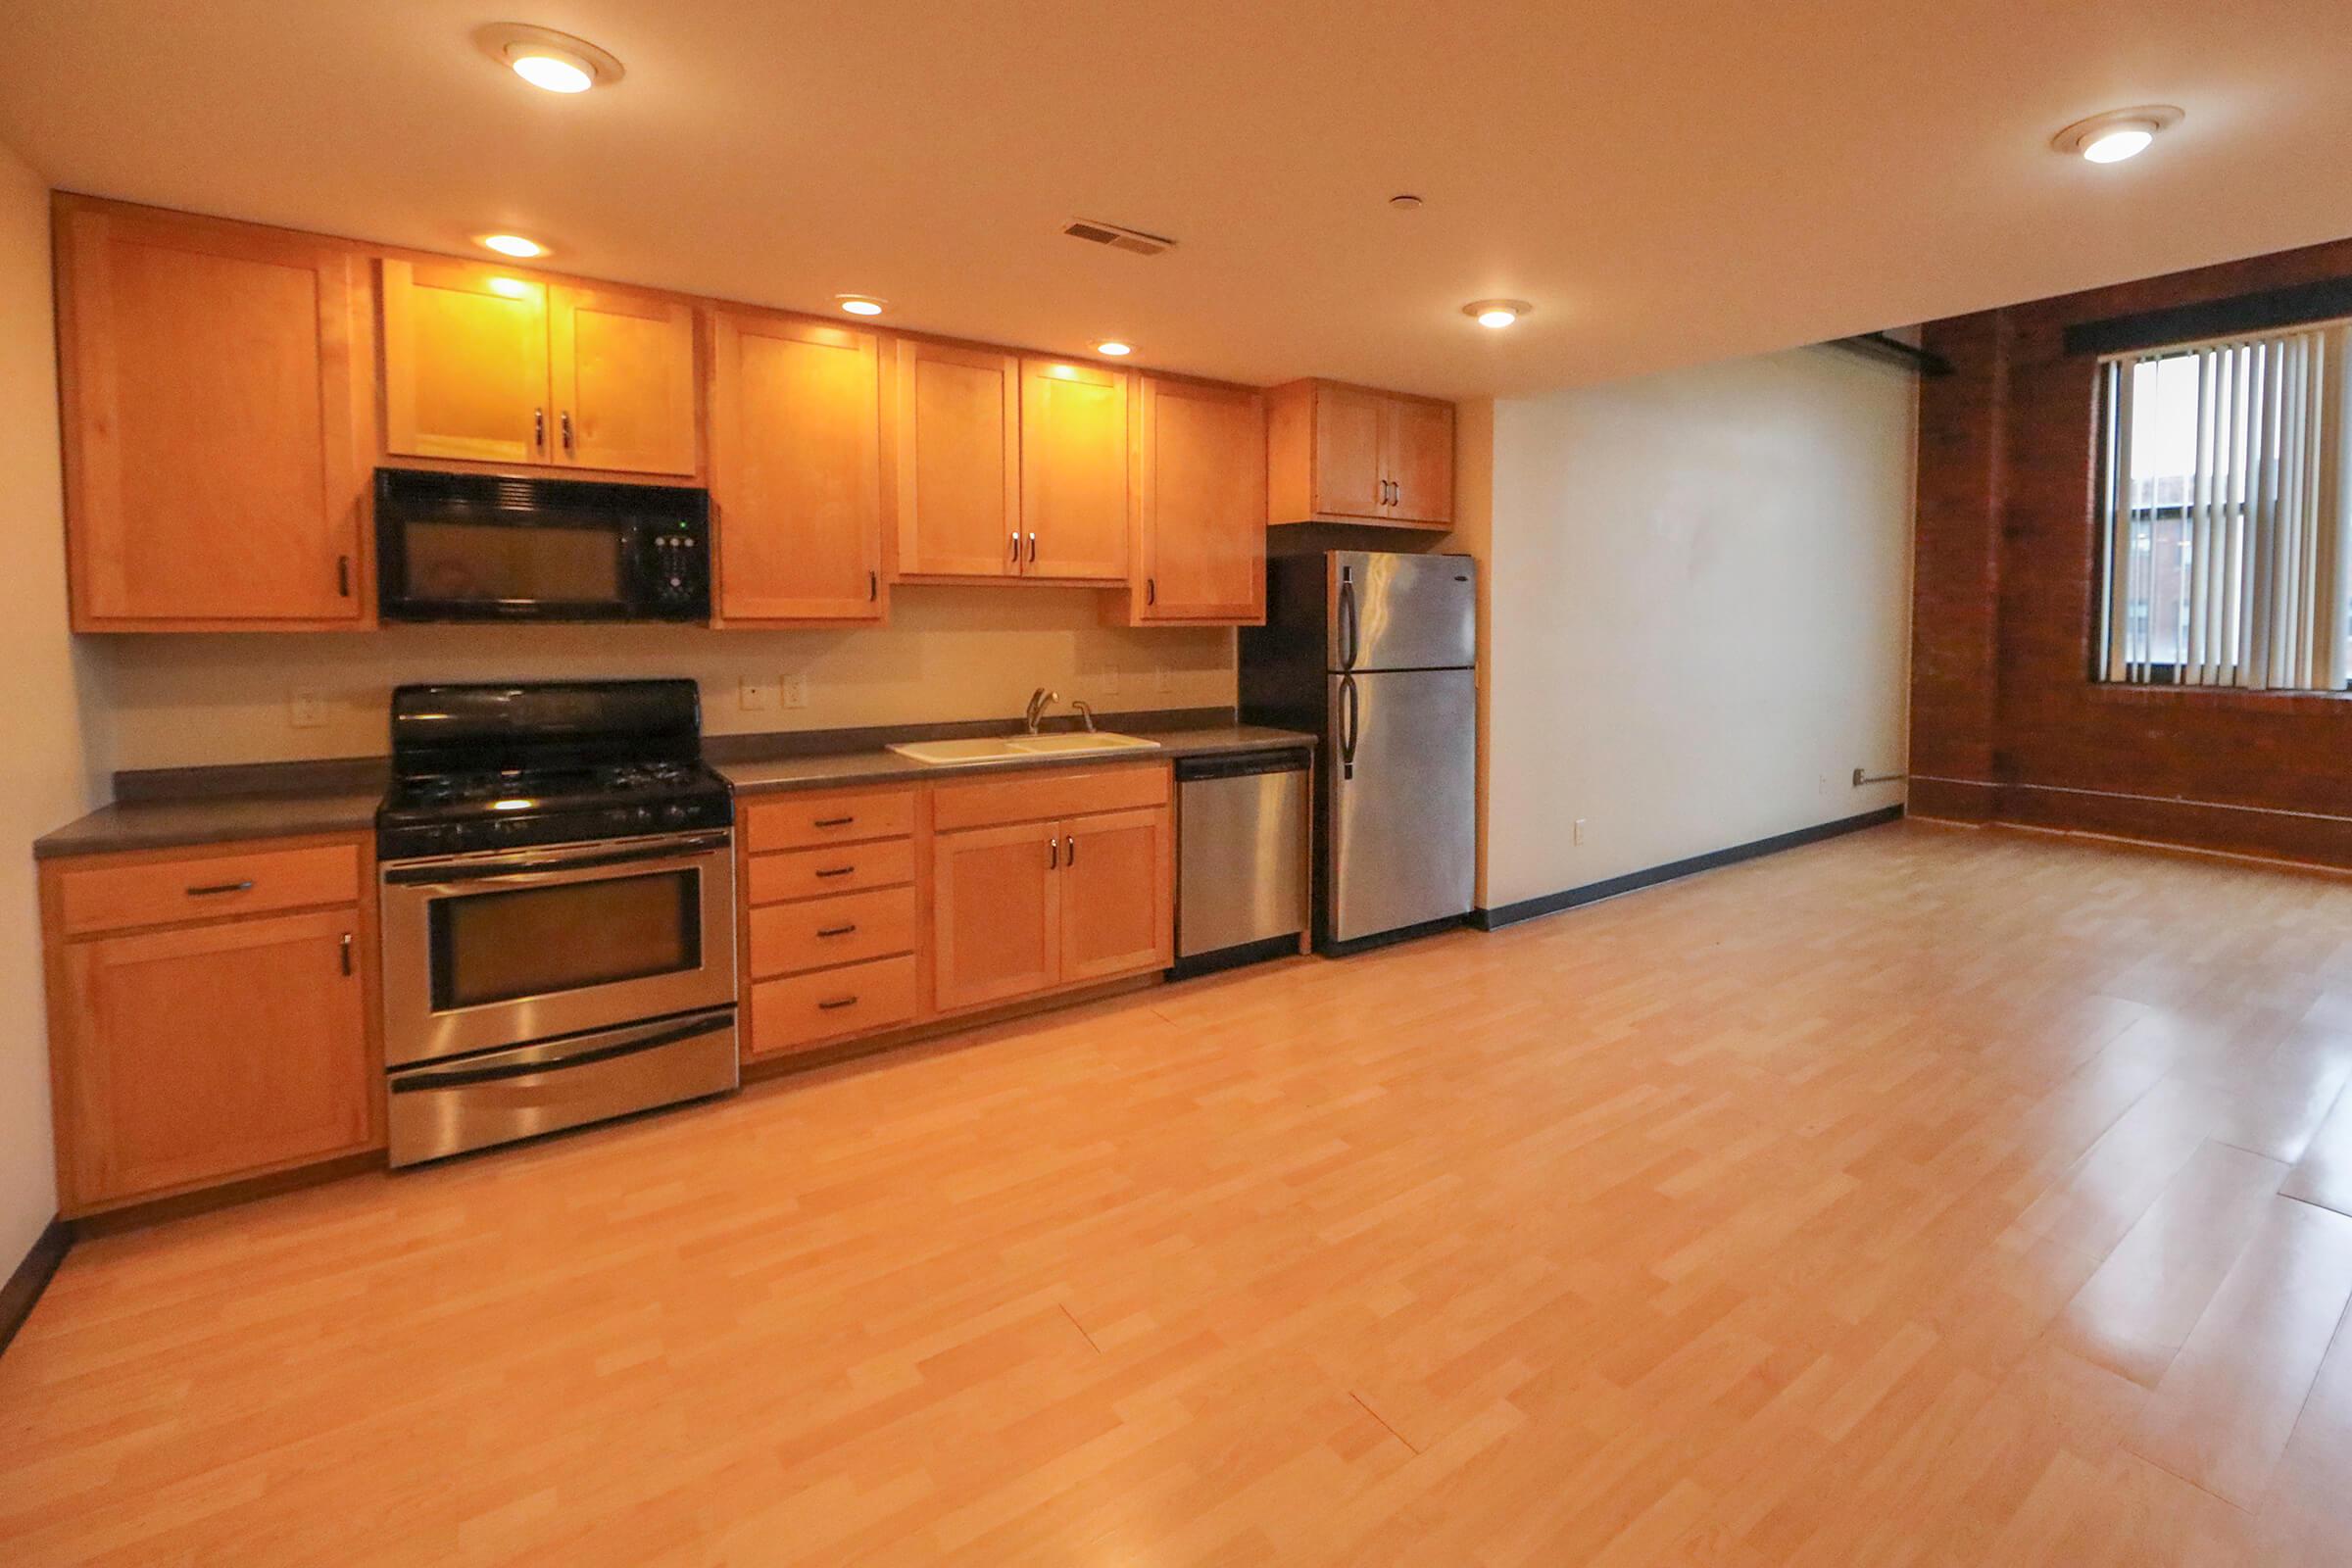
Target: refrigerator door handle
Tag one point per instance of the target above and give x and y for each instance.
(1347, 648)
(1348, 731)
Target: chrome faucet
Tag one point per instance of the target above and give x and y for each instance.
(1039, 700)
(1086, 712)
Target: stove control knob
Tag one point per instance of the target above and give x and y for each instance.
(675, 811)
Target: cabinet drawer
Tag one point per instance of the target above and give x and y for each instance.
(810, 1009)
(843, 816)
(1037, 797)
(164, 892)
(820, 873)
(787, 937)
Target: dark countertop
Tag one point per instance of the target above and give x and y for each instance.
(335, 806)
(874, 765)
(215, 819)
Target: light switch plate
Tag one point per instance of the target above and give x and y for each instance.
(306, 710)
(757, 695)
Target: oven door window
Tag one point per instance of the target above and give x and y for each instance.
(453, 563)
(535, 942)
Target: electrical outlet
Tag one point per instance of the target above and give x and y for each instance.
(796, 690)
(306, 710)
(1162, 677)
(1580, 830)
(757, 695)
(1108, 685)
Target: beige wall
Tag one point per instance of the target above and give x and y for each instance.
(42, 778)
(949, 653)
(1698, 622)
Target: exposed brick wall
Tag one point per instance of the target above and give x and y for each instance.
(2005, 719)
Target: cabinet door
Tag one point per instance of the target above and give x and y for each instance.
(1347, 452)
(215, 421)
(957, 461)
(1417, 439)
(211, 1051)
(1073, 472)
(622, 368)
(796, 469)
(465, 363)
(995, 902)
(1200, 502)
(1116, 914)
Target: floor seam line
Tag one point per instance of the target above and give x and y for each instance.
(1384, 1423)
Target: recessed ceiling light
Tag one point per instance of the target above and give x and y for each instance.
(544, 58)
(513, 245)
(859, 304)
(2118, 135)
(1114, 348)
(1497, 313)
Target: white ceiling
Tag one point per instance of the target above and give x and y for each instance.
(1668, 180)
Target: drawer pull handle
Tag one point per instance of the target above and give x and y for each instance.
(837, 930)
(347, 952)
(211, 888)
(836, 1004)
(837, 870)
(833, 822)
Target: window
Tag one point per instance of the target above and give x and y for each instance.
(2227, 558)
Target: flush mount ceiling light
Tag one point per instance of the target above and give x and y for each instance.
(1497, 313)
(515, 245)
(859, 304)
(545, 58)
(1114, 348)
(1404, 201)
(2116, 134)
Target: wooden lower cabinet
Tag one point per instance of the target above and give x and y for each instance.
(1039, 906)
(195, 1054)
(949, 897)
(1116, 903)
(995, 913)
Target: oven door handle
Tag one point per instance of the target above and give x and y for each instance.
(540, 869)
(408, 1083)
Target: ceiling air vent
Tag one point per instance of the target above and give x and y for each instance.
(1120, 239)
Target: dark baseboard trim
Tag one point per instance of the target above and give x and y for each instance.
(1635, 881)
(31, 1277)
(1233, 957)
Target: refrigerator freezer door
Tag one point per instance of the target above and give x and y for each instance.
(1392, 611)
(1402, 780)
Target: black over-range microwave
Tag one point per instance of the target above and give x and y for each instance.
(479, 547)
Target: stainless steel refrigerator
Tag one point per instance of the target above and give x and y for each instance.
(1376, 652)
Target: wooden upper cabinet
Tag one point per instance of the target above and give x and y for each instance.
(1073, 472)
(214, 382)
(622, 368)
(1198, 503)
(1117, 912)
(465, 363)
(488, 365)
(1349, 453)
(796, 470)
(201, 1054)
(1350, 475)
(955, 465)
(1417, 441)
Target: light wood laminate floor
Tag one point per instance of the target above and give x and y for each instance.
(1923, 1196)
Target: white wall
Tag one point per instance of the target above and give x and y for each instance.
(43, 782)
(949, 653)
(1700, 600)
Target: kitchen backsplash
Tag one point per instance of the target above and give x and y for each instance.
(949, 653)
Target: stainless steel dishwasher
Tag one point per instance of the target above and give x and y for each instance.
(1240, 860)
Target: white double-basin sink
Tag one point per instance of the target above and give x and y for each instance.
(1021, 748)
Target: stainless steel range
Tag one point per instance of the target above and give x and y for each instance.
(559, 911)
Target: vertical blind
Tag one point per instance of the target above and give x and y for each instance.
(2228, 539)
